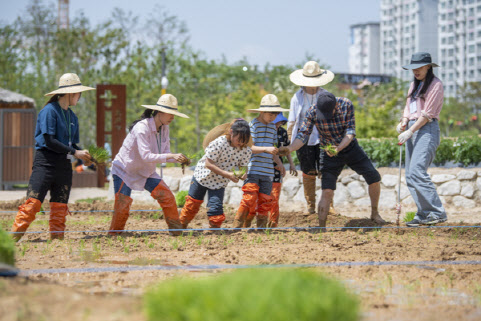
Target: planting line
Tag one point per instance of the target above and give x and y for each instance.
(251, 229)
(235, 266)
(86, 211)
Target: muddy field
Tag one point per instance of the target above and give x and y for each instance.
(388, 292)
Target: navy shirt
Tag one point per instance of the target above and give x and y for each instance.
(52, 120)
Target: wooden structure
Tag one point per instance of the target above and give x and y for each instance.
(111, 120)
(17, 145)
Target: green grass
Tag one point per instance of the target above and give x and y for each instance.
(409, 216)
(253, 294)
(7, 248)
(180, 198)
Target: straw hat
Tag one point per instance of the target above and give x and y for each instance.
(269, 103)
(69, 84)
(216, 132)
(167, 104)
(311, 75)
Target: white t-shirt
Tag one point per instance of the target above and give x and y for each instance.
(309, 100)
(225, 157)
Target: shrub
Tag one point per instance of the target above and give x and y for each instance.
(180, 198)
(444, 152)
(7, 248)
(254, 294)
(468, 150)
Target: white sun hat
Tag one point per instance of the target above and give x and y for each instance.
(167, 104)
(69, 84)
(269, 103)
(311, 75)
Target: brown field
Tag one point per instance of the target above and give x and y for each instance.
(420, 291)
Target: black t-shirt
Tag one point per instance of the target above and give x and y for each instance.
(282, 140)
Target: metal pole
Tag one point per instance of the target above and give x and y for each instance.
(164, 90)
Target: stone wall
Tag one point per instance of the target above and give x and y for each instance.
(462, 189)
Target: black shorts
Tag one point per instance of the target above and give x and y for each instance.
(50, 172)
(310, 159)
(354, 157)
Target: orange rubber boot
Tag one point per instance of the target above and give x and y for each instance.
(25, 216)
(264, 207)
(215, 221)
(121, 213)
(249, 200)
(274, 213)
(190, 210)
(166, 199)
(58, 216)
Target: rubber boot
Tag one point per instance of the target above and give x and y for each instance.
(309, 182)
(215, 221)
(189, 211)
(274, 212)
(121, 213)
(249, 200)
(25, 216)
(264, 206)
(166, 199)
(58, 216)
(249, 219)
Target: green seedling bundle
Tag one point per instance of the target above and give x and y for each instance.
(240, 172)
(330, 149)
(98, 155)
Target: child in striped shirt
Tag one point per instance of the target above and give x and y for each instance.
(258, 185)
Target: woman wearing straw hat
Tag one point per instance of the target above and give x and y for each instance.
(134, 167)
(56, 139)
(310, 78)
(419, 129)
(258, 185)
(226, 147)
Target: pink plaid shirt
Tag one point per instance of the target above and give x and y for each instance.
(429, 107)
(139, 154)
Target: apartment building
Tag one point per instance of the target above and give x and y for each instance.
(364, 48)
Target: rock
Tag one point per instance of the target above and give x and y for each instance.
(478, 183)
(389, 180)
(341, 195)
(361, 179)
(142, 196)
(356, 189)
(442, 178)
(318, 183)
(299, 197)
(465, 174)
(184, 184)
(354, 176)
(388, 199)
(404, 191)
(290, 187)
(172, 182)
(450, 188)
(240, 183)
(467, 190)
(365, 201)
(408, 200)
(460, 201)
(235, 196)
(346, 180)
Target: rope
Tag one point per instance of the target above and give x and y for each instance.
(248, 228)
(234, 266)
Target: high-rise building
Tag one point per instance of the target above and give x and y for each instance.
(459, 43)
(364, 48)
(407, 26)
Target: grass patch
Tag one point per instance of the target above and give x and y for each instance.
(7, 248)
(285, 294)
(90, 200)
(409, 216)
(180, 198)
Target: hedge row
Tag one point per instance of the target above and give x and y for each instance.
(463, 150)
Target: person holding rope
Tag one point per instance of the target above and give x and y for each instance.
(335, 122)
(311, 77)
(56, 143)
(227, 147)
(419, 129)
(134, 167)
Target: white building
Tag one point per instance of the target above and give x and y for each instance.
(364, 49)
(407, 26)
(459, 43)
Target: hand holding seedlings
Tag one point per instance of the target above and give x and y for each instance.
(233, 177)
(240, 173)
(98, 155)
(331, 150)
(83, 155)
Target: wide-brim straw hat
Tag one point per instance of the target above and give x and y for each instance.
(167, 104)
(218, 131)
(269, 103)
(418, 60)
(311, 75)
(69, 84)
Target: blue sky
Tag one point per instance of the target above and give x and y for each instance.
(278, 32)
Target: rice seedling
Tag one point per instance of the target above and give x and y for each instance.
(180, 198)
(98, 155)
(330, 149)
(241, 171)
(409, 216)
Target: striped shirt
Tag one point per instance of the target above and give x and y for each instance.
(262, 136)
(331, 131)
